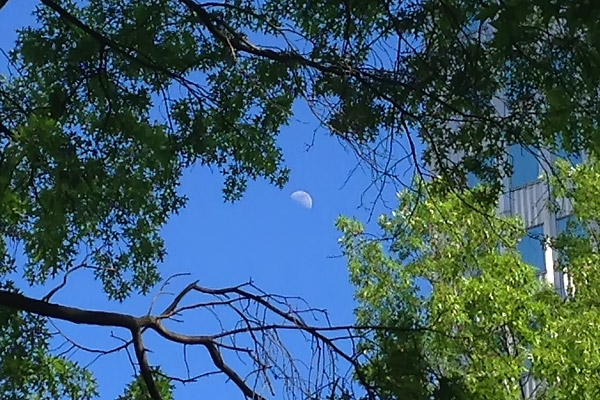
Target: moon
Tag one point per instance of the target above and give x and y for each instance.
(303, 198)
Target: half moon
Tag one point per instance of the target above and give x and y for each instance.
(303, 198)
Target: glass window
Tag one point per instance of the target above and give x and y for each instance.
(561, 224)
(576, 228)
(472, 180)
(525, 165)
(574, 158)
(532, 249)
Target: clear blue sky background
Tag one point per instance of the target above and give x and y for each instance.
(283, 247)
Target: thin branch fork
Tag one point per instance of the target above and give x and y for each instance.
(135, 325)
(255, 310)
(237, 42)
(290, 317)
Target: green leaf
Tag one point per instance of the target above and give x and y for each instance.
(488, 12)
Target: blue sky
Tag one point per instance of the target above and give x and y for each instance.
(282, 246)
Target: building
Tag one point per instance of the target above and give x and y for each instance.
(527, 194)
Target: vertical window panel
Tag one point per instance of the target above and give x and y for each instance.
(532, 249)
(526, 167)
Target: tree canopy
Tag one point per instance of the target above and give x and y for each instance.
(462, 316)
(107, 102)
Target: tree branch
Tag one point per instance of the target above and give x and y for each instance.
(88, 317)
(76, 315)
(136, 325)
(256, 311)
(143, 59)
(140, 353)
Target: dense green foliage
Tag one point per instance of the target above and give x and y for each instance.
(28, 370)
(464, 316)
(171, 83)
(136, 390)
(109, 101)
(452, 282)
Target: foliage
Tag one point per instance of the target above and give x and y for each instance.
(97, 88)
(462, 316)
(28, 371)
(109, 101)
(137, 390)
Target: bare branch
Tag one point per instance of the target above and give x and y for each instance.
(63, 283)
(253, 314)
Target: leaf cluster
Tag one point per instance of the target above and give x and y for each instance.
(461, 315)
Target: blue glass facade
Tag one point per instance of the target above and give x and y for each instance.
(561, 224)
(531, 248)
(574, 158)
(526, 167)
(576, 228)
